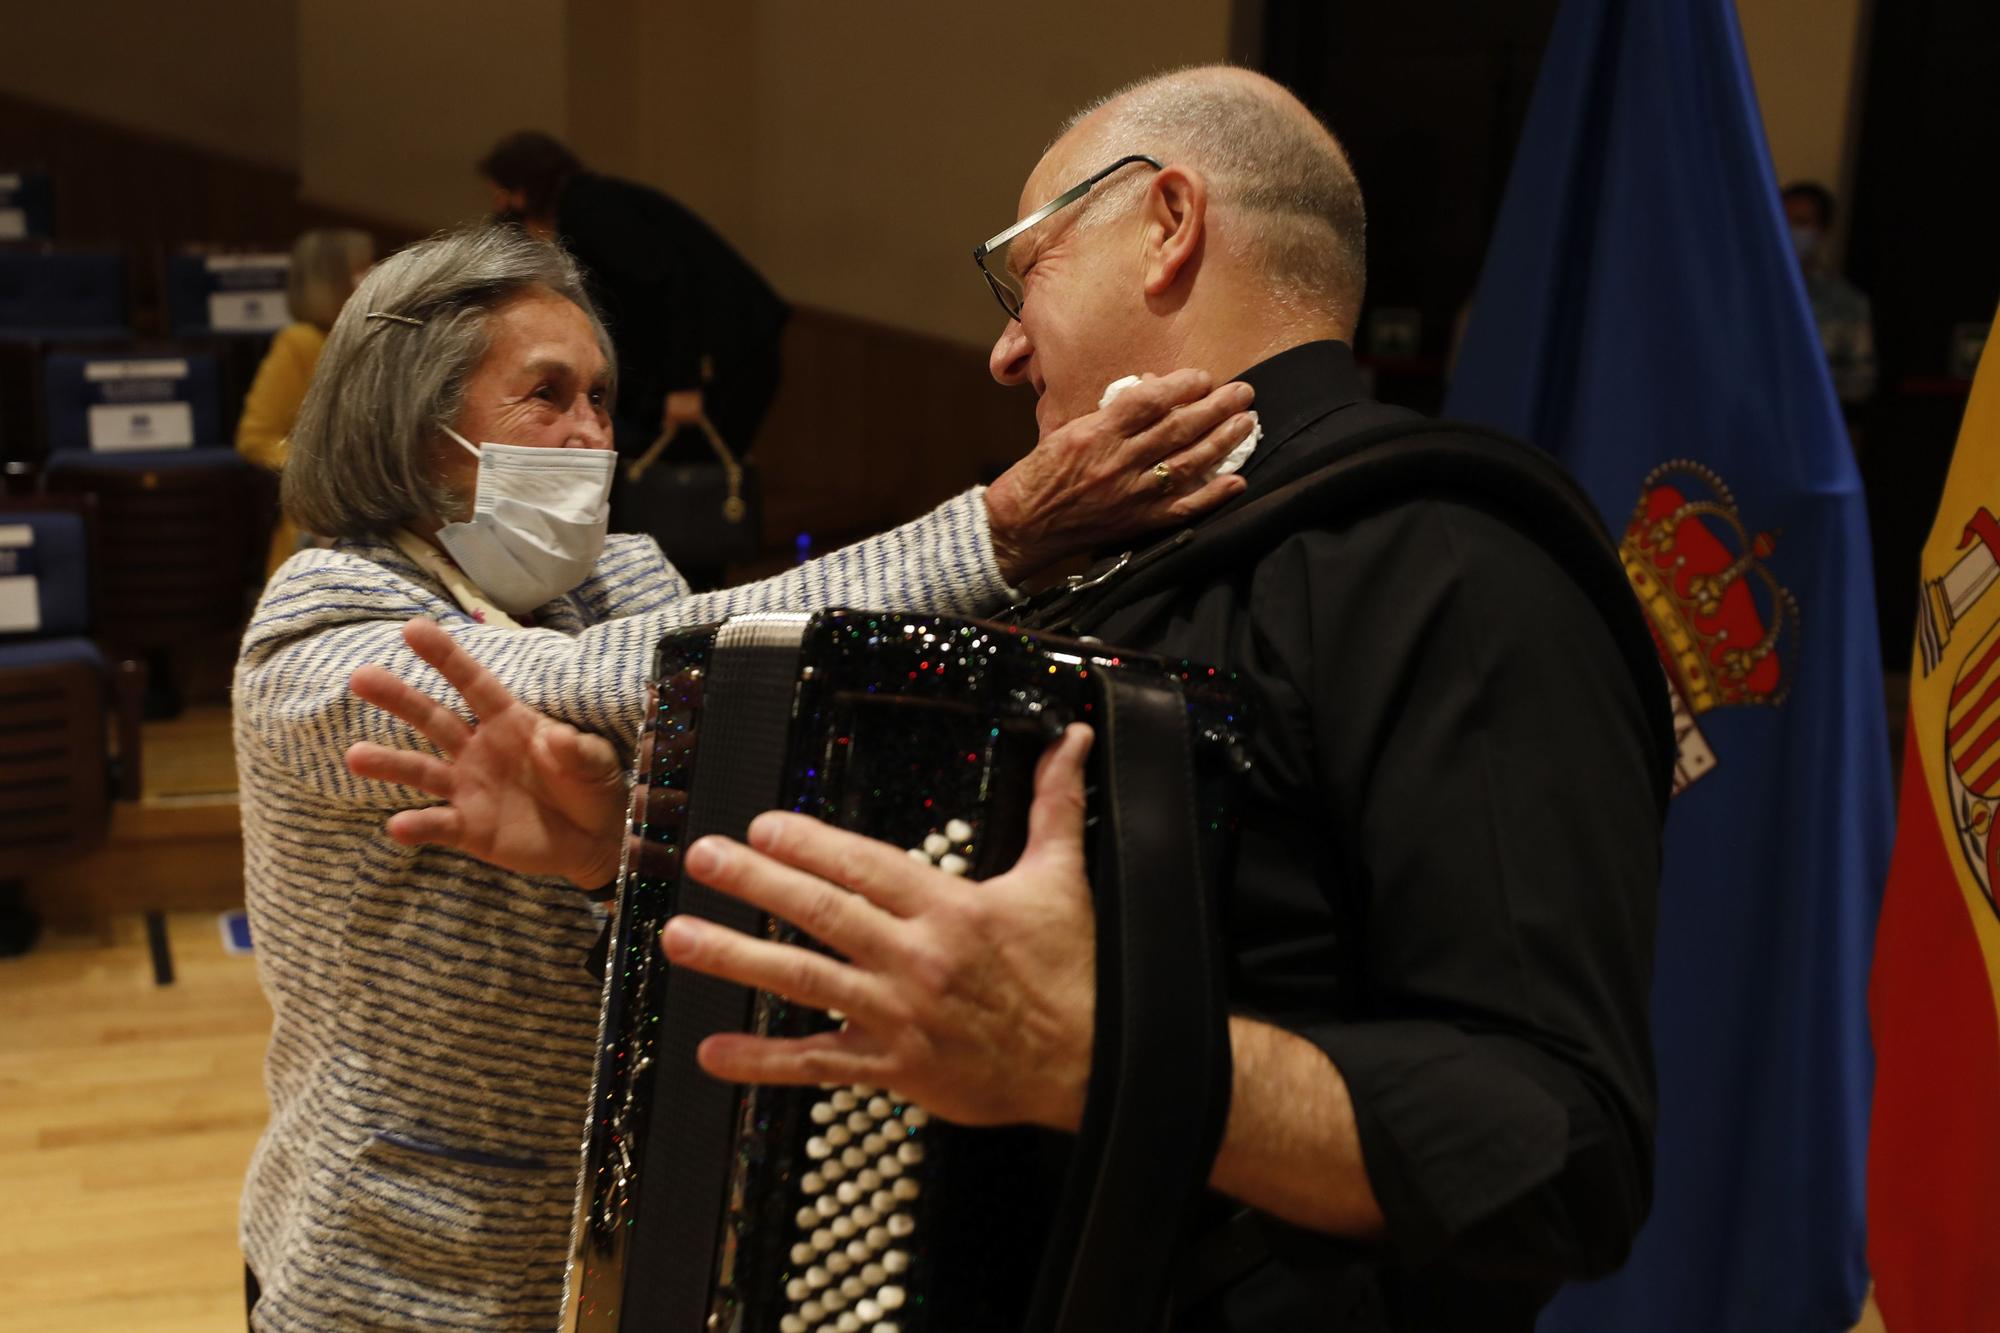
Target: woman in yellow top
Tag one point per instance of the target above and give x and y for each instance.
(325, 266)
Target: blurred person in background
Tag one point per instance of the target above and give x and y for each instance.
(326, 265)
(697, 327)
(1840, 309)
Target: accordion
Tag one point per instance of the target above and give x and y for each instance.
(726, 1209)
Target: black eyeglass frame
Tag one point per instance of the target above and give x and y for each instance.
(1007, 290)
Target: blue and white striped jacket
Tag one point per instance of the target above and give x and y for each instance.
(433, 1024)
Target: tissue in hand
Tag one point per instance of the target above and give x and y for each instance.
(1236, 457)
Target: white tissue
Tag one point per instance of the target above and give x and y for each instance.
(1232, 462)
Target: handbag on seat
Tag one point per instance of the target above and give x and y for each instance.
(703, 513)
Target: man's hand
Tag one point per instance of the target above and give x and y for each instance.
(1092, 481)
(523, 792)
(683, 407)
(975, 1001)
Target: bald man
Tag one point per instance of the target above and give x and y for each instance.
(1440, 916)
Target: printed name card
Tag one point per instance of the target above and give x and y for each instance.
(20, 605)
(139, 405)
(13, 207)
(246, 293)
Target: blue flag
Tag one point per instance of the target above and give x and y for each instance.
(1642, 316)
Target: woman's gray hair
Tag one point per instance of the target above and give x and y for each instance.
(324, 262)
(394, 372)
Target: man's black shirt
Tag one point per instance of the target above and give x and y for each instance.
(1445, 880)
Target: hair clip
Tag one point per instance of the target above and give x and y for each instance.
(400, 319)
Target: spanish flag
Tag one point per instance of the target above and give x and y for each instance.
(1934, 999)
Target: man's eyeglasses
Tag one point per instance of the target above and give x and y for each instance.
(992, 256)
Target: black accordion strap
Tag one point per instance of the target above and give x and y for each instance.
(747, 694)
(1160, 1067)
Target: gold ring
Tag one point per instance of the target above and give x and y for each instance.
(1164, 475)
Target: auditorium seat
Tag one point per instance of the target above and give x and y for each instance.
(227, 296)
(59, 768)
(144, 435)
(62, 294)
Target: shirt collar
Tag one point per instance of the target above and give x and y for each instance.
(1298, 387)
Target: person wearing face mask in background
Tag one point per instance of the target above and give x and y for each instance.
(1840, 309)
(433, 1020)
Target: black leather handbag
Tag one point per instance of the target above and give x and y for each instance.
(701, 513)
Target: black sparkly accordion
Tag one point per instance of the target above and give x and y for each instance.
(722, 1209)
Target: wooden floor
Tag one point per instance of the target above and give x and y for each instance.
(127, 1116)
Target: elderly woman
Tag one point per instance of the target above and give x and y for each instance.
(433, 1018)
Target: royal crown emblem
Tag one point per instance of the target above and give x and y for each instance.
(1972, 712)
(1725, 627)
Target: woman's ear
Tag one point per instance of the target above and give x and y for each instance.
(1176, 208)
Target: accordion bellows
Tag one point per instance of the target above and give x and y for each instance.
(711, 1208)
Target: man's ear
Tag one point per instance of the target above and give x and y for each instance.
(1176, 221)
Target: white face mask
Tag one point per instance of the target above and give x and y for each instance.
(538, 521)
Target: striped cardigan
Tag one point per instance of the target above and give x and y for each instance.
(433, 1024)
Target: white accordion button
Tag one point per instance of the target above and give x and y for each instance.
(868, 1310)
(851, 1288)
(813, 1183)
(865, 1216)
(826, 1205)
(954, 864)
(874, 1275)
(884, 1202)
(845, 1100)
(822, 1239)
(806, 1217)
(900, 1226)
(803, 1253)
(817, 1277)
(874, 1143)
(916, 1117)
(936, 845)
(886, 1327)
(891, 1298)
(848, 1323)
(905, 1190)
(919, 854)
(818, 1148)
(843, 1227)
(896, 1262)
(838, 1263)
(848, 1192)
(858, 1251)
(797, 1289)
(823, 1113)
(889, 1166)
(958, 831)
(832, 1169)
(854, 1157)
(791, 1323)
(879, 1107)
(861, 1122)
(879, 1237)
(812, 1312)
(871, 1179)
(909, 1152)
(839, 1136)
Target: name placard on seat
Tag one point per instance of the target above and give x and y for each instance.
(13, 214)
(138, 405)
(246, 293)
(20, 604)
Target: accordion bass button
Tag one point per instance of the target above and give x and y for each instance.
(865, 1217)
(843, 1227)
(791, 1323)
(827, 1205)
(916, 1117)
(871, 1179)
(848, 1192)
(803, 1253)
(845, 1100)
(861, 1121)
(878, 1237)
(859, 1251)
(852, 1288)
(874, 1275)
(889, 1166)
(936, 845)
(900, 1226)
(839, 1136)
(822, 1239)
(839, 1264)
(849, 1323)
(909, 1152)
(854, 1157)
(818, 1148)
(797, 1290)
(874, 1143)
(817, 1277)
(954, 864)
(806, 1218)
(891, 1298)
(905, 1190)
(823, 1113)
(813, 1183)
(868, 1310)
(896, 1263)
(879, 1108)
(958, 831)
(812, 1312)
